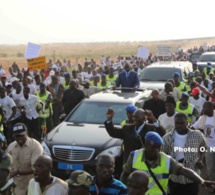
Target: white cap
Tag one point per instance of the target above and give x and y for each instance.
(54, 66)
(29, 77)
(14, 79)
(51, 73)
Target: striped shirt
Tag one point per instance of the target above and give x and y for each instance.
(115, 187)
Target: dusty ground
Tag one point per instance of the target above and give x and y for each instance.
(76, 52)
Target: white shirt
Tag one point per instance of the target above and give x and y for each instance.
(197, 103)
(33, 90)
(2, 72)
(167, 122)
(87, 75)
(208, 130)
(7, 105)
(16, 97)
(179, 142)
(30, 105)
(57, 187)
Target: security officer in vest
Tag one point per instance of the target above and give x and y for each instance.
(130, 109)
(160, 164)
(179, 85)
(208, 69)
(103, 84)
(111, 76)
(67, 80)
(184, 107)
(45, 116)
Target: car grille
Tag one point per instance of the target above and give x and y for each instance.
(73, 153)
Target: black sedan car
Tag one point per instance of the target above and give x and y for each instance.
(76, 142)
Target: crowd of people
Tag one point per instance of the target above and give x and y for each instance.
(157, 138)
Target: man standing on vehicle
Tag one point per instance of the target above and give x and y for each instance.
(128, 78)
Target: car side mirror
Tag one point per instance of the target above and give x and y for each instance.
(62, 117)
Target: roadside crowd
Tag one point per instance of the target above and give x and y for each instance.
(156, 138)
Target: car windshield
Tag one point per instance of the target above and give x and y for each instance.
(195, 56)
(207, 58)
(158, 74)
(95, 112)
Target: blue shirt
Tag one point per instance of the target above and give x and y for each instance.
(115, 187)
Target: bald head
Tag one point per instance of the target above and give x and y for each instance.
(106, 156)
(137, 183)
(46, 160)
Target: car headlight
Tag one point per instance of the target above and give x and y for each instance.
(46, 150)
(115, 151)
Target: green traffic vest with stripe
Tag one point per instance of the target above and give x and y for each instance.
(65, 86)
(100, 84)
(48, 110)
(112, 80)
(161, 172)
(181, 86)
(188, 111)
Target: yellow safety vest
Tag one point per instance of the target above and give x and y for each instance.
(112, 80)
(99, 84)
(48, 110)
(123, 123)
(161, 172)
(181, 87)
(65, 86)
(188, 111)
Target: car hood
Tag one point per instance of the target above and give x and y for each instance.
(86, 135)
(152, 85)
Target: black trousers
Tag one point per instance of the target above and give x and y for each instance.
(33, 128)
(185, 189)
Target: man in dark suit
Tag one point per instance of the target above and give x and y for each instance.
(128, 78)
(133, 134)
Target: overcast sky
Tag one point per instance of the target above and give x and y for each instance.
(51, 21)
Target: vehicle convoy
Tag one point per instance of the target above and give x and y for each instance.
(205, 58)
(77, 141)
(155, 75)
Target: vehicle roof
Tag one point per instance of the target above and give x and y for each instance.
(175, 64)
(118, 96)
(208, 53)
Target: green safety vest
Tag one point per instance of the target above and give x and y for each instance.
(188, 111)
(123, 123)
(65, 86)
(48, 110)
(99, 84)
(161, 172)
(112, 80)
(181, 87)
